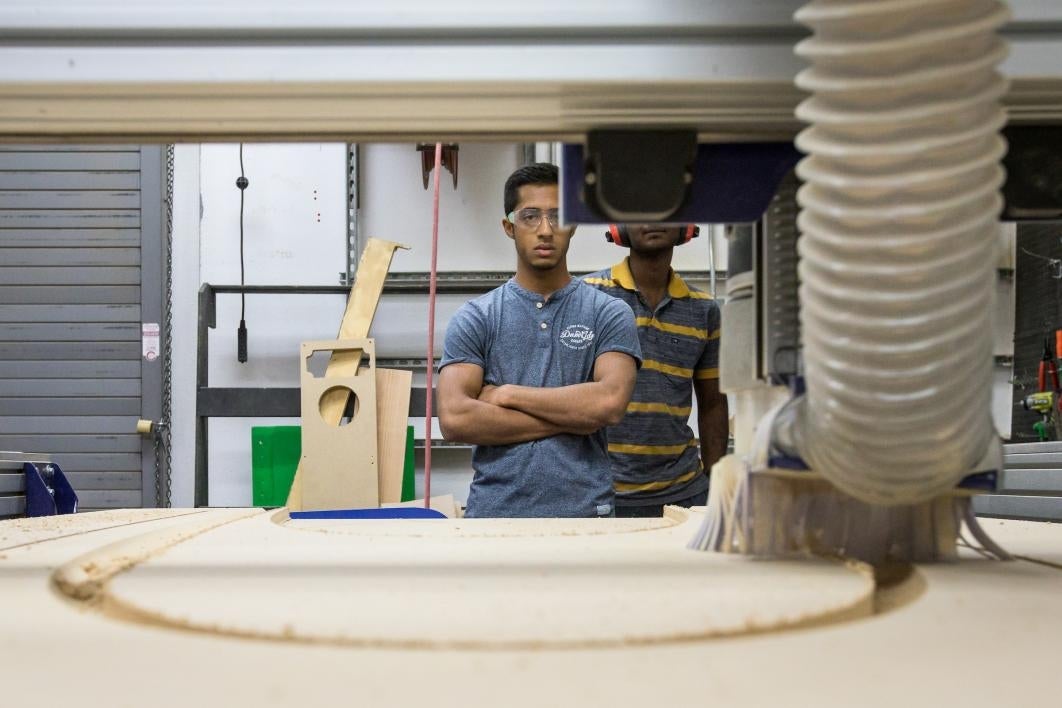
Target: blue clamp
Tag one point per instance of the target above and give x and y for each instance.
(48, 492)
(982, 481)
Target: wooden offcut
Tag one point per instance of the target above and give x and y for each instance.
(339, 458)
(393, 388)
(357, 320)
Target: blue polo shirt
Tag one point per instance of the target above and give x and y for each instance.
(655, 455)
(520, 337)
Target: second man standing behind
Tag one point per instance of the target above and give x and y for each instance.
(655, 458)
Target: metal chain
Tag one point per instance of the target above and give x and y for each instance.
(163, 476)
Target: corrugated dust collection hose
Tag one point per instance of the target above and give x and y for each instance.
(899, 241)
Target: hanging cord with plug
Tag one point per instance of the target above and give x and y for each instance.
(241, 332)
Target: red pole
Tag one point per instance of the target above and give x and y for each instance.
(431, 328)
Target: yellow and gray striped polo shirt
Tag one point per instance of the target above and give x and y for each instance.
(654, 454)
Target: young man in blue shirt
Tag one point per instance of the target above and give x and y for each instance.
(656, 460)
(533, 372)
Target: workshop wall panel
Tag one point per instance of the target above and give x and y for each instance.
(95, 499)
(65, 159)
(69, 237)
(70, 331)
(114, 481)
(69, 219)
(28, 351)
(68, 199)
(65, 425)
(45, 276)
(69, 180)
(70, 369)
(79, 387)
(60, 294)
(78, 257)
(74, 443)
(73, 225)
(55, 405)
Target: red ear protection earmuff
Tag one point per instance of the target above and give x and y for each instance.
(619, 235)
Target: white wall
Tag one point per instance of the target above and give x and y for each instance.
(294, 234)
(395, 206)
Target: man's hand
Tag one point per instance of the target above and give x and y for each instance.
(493, 395)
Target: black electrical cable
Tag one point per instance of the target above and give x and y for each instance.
(241, 332)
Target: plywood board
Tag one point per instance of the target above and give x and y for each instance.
(393, 388)
(339, 458)
(357, 320)
(187, 595)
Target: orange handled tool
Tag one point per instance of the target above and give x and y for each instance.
(1048, 368)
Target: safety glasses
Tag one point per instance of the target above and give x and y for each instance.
(531, 218)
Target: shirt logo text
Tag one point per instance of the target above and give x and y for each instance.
(577, 337)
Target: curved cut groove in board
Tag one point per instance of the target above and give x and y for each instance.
(250, 578)
(29, 531)
(86, 577)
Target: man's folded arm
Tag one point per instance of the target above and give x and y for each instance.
(465, 418)
(580, 408)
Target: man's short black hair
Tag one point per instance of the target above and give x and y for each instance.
(538, 173)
